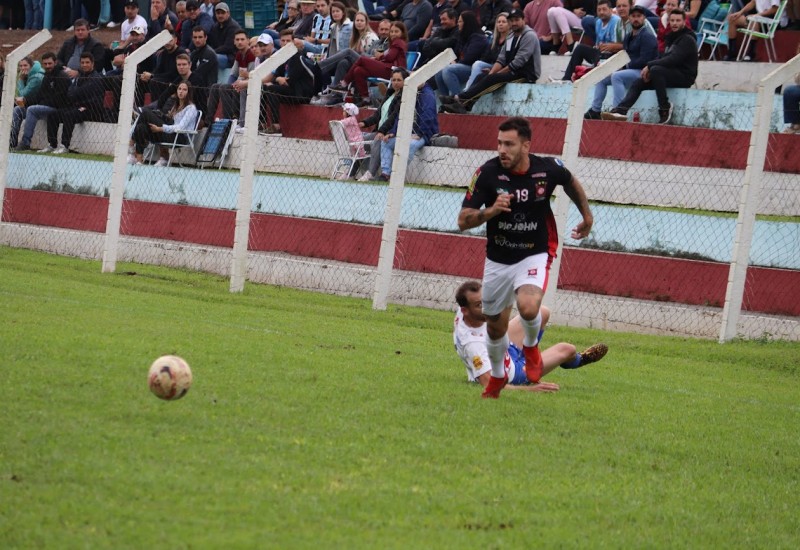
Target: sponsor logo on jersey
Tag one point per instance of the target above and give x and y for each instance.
(503, 177)
(532, 272)
(477, 363)
(539, 175)
(517, 226)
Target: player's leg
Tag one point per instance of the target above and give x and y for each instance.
(497, 299)
(529, 284)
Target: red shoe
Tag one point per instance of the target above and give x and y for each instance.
(533, 363)
(492, 389)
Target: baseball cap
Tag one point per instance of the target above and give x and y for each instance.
(637, 9)
(264, 38)
(222, 6)
(131, 3)
(516, 14)
(350, 109)
(137, 29)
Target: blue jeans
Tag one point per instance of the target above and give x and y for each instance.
(314, 48)
(34, 14)
(620, 81)
(387, 153)
(791, 104)
(451, 79)
(223, 61)
(32, 115)
(371, 8)
(16, 122)
(587, 22)
(477, 70)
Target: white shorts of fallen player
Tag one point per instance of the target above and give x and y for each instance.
(500, 281)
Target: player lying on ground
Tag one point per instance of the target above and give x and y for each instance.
(469, 337)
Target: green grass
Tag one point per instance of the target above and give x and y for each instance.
(316, 422)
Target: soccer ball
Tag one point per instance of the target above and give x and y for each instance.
(170, 377)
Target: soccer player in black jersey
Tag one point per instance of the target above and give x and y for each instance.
(521, 240)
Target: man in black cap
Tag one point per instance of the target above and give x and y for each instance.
(194, 19)
(221, 36)
(519, 61)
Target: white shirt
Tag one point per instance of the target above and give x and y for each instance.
(125, 28)
(764, 5)
(470, 345)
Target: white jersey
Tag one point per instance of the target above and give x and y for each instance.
(125, 28)
(471, 347)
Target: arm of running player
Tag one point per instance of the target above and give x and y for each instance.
(473, 217)
(576, 193)
(541, 387)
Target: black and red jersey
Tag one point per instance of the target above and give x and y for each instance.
(529, 228)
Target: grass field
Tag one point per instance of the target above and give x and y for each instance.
(316, 422)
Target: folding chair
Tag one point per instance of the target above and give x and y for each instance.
(175, 142)
(713, 27)
(216, 143)
(764, 28)
(349, 152)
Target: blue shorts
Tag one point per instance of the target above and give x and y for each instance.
(516, 370)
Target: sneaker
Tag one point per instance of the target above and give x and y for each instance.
(329, 100)
(47, 149)
(239, 130)
(20, 148)
(60, 150)
(593, 354)
(273, 129)
(366, 177)
(792, 129)
(665, 114)
(447, 99)
(492, 390)
(552, 80)
(455, 108)
(341, 87)
(162, 162)
(132, 159)
(533, 363)
(111, 24)
(591, 115)
(615, 114)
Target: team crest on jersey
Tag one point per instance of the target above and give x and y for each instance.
(541, 188)
(533, 272)
(477, 363)
(471, 188)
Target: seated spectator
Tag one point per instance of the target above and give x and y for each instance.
(180, 11)
(738, 20)
(694, 9)
(112, 81)
(2, 73)
(677, 68)
(161, 18)
(391, 10)
(379, 66)
(536, 18)
(415, 15)
(642, 47)
(286, 21)
(444, 36)
(52, 96)
(426, 125)
(242, 63)
(305, 21)
(650, 7)
(383, 120)
(204, 66)
(488, 10)
(85, 99)
(519, 61)
(662, 27)
(181, 115)
(609, 29)
(563, 19)
(352, 131)
(82, 42)
(341, 29)
(791, 105)
(222, 35)
(263, 48)
(183, 65)
(433, 24)
(292, 83)
(195, 19)
(132, 20)
(30, 76)
(373, 7)
(489, 57)
(320, 36)
(165, 69)
(469, 47)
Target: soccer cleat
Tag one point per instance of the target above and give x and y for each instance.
(533, 363)
(665, 114)
(593, 354)
(60, 150)
(615, 114)
(493, 388)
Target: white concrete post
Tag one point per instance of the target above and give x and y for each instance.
(749, 196)
(7, 109)
(249, 142)
(572, 144)
(394, 199)
(121, 142)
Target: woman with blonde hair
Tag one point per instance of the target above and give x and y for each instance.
(482, 66)
(362, 42)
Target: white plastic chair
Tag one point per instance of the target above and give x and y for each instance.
(764, 28)
(348, 152)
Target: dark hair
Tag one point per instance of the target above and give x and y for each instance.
(517, 124)
(604, 3)
(80, 23)
(184, 57)
(403, 30)
(678, 11)
(27, 59)
(49, 55)
(284, 32)
(198, 28)
(87, 55)
(342, 7)
(403, 72)
(471, 25)
(450, 12)
(189, 96)
(469, 286)
(240, 31)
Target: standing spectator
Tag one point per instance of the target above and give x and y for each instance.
(341, 29)
(470, 46)
(519, 61)
(85, 96)
(194, 19)
(181, 116)
(161, 18)
(132, 19)
(426, 125)
(204, 66)
(536, 18)
(30, 76)
(379, 66)
(243, 62)
(292, 83)
(610, 30)
(415, 15)
(51, 97)
(677, 68)
(34, 14)
(642, 47)
(319, 37)
(82, 42)
(222, 35)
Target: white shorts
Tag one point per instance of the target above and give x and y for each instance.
(500, 281)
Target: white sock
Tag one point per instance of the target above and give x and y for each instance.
(532, 329)
(497, 351)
